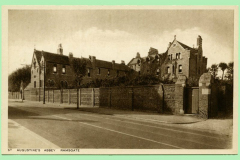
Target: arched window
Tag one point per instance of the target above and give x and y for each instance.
(180, 68)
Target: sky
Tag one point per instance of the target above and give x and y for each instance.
(117, 34)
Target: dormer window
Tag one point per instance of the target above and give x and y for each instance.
(63, 69)
(54, 68)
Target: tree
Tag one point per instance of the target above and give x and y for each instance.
(223, 66)
(230, 71)
(14, 79)
(213, 70)
(79, 68)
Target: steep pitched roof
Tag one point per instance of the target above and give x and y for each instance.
(52, 57)
(187, 47)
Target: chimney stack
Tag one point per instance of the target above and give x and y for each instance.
(113, 64)
(93, 60)
(122, 62)
(199, 42)
(138, 55)
(60, 49)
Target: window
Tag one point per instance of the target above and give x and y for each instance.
(157, 71)
(66, 84)
(173, 69)
(180, 69)
(169, 57)
(89, 72)
(168, 69)
(99, 71)
(117, 73)
(34, 63)
(108, 72)
(54, 68)
(37, 70)
(34, 76)
(52, 83)
(63, 69)
(176, 55)
(34, 84)
(40, 83)
(61, 84)
(179, 55)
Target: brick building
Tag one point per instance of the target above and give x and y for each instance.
(58, 71)
(179, 59)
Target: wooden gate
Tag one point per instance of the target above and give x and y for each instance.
(192, 100)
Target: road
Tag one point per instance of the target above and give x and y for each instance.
(72, 128)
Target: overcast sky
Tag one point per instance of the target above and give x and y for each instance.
(117, 34)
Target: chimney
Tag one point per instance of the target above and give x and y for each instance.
(138, 55)
(199, 42)
(93, 60)
(122, 62)
(175, 37)
(113, 64)
(70, 56)
(60, 49)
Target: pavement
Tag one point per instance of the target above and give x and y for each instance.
(28, 138)
(32, 128)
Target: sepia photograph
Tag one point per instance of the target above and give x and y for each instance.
(120, 80)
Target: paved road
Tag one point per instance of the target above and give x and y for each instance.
(71, 128)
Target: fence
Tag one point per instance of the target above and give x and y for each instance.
(149, 98)
(164, 98)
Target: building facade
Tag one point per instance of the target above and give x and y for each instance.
(55, 69)
(179, 59)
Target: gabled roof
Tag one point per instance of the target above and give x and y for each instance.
(187, 47)
(52, 57)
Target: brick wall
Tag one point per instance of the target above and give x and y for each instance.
(132, 98)
(169, 98)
